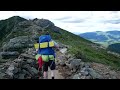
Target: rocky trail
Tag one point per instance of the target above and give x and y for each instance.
(67, 67)
(24, 67)
(72, 68)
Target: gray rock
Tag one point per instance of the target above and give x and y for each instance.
(17, 43)
(62, 63)
(79, 74)
(31, 70)
(23, 63)
(6, 55)
(33, 64)
(16, 76)
(26, 72)
(94, 74)
(30, 45)
(73, 70)
(55, 29)
(83, 77)
(82, 64)
(15, 70)
(44, 23)
(15, 64)
(70, 60)
(84, 71)
(29, 61)
(18, 60)
(26, 67)
(11, 68)
(114, 77)
(21, 76)
(27, 56)
(19, 69)
(87, 65)
(34, 70)
(88, 77)
(68, 56)
(2, 75)
(64, 50)
(76, 76)
(9, 71)
(75, 64)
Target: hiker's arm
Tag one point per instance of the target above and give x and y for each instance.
(56, 45)
(36, 50)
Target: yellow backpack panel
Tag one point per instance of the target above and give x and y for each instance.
(44, 44)
(51, 44)
(36, 45)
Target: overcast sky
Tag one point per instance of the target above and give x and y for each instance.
(73, 21)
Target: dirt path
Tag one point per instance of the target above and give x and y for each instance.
(57, 75)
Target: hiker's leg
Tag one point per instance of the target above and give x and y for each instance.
(52, 74)
(52, 67)
(45, 70)
(45, 75)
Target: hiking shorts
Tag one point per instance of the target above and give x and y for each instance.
(50, 63)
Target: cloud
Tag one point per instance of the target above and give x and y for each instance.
(73, 21)
(63, 18)
(113, 21)
(70, 19)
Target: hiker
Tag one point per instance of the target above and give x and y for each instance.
(46, 54)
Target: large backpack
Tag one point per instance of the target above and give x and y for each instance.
(44, 42)
(45, 48)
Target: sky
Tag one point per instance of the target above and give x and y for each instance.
(73, 21)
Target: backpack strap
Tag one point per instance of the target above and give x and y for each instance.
(39, 42)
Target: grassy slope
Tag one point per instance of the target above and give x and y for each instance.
(7, 25)
(81, 48)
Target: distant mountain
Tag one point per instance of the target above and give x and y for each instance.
(104, 38)
(115, 32)
(114, 47)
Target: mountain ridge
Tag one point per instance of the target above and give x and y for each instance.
(24, 34)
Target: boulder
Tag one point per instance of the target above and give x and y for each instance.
(76, 76)
(18, 43)
(34, 70)
(62, 63)
(7, 55)
(21, 76)
(94, 74)
(27, 56)
(15, 70)
(64, 50)
(84, 72)
(2, 75)
(75, 63)
(82, 64)
(26, 67)
(44, 23)
(29, 61)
